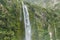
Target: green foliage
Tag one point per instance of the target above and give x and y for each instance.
(43, 20)
(9, 20)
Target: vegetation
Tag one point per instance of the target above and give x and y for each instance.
(45, 20)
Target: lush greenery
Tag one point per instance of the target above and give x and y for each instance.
(44, 20)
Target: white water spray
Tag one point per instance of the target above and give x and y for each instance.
(26, 22)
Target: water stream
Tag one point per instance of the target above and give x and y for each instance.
(26, 22)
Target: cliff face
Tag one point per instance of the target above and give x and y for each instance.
(44, 19)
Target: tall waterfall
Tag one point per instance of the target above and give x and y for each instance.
(26, 22)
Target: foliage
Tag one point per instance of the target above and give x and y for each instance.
(9, 20)
(43, 19)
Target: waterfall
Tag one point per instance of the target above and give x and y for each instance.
(26, 22)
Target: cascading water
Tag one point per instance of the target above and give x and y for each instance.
(26, 22)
